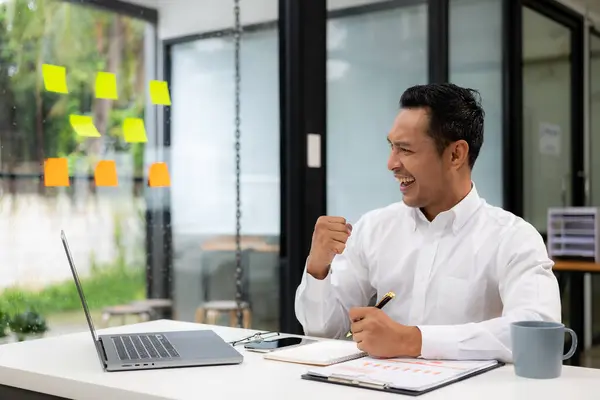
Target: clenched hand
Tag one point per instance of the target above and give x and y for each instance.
(329, 238)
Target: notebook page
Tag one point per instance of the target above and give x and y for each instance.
(323, 352)
(403, 373)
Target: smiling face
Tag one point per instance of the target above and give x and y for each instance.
(426, 177)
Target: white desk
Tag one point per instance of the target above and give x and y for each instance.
(68, 366)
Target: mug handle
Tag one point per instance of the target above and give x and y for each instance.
(573, 344)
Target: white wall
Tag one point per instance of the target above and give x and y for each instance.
(185, 17)
(188, 17)
(32, 255)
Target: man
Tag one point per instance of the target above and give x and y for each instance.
(462, 270)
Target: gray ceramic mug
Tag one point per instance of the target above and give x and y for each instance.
(538, 346)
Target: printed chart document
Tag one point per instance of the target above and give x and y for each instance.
(401, 375)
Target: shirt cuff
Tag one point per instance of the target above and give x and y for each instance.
(316, 288)
(439, 342)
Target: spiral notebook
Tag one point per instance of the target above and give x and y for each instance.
(322, 353)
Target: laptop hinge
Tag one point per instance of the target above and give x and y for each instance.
(100, 345)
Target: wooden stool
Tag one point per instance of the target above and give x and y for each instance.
(209, 312)
(142, 312)
(155, 305)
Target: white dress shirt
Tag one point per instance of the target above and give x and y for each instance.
(461, 278)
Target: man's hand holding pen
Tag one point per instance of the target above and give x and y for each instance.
(374, 332)
(379, 336)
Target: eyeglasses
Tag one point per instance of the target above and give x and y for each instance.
(256, 338)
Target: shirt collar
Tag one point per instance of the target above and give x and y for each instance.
(457, 216)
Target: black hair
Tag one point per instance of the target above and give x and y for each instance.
(455, 114)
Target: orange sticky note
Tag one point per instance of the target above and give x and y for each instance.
(106, 85)
(56, 172)
(158, 175)
(134, 130)
(55, 78)
(106, 173)
(159, 93)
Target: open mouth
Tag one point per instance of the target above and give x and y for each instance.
(405, 182)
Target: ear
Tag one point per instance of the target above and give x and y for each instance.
(459, 154)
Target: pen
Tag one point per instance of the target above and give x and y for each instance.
(384, 300)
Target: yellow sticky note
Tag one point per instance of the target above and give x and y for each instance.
(159, 93)
(84, 125)
(134, 130)
(106, 86)
(55, 78)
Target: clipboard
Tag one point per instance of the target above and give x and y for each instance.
(390, 389)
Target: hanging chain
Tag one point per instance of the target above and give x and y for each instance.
(239, 288)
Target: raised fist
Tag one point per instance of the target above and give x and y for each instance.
(329, 239)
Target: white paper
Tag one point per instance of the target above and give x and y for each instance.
(322, 352)
(550, 138)
(403, 373)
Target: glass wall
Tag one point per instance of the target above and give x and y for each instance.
(373, 55)
(546, 116)
(51, 54)
(594, 178)
(594, 154)
(475, 53)
(204, 175)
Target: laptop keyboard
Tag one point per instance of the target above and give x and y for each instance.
(139, 347)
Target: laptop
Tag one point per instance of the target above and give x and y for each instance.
(153, 350)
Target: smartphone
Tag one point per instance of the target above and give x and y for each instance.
(270, 345)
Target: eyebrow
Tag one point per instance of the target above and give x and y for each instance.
(399, 143)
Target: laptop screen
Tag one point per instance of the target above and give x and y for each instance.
(79, 288)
